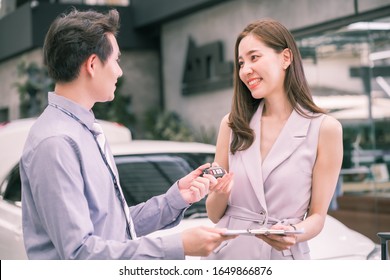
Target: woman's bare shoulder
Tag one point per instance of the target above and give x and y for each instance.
(331, 128)
(225, 122)
(331, 124)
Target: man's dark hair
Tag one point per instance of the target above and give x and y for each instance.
(73, 37)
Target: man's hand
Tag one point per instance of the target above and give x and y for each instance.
(201, 241)
(193, 187)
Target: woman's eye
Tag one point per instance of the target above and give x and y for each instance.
(240, 63)
(254, 57)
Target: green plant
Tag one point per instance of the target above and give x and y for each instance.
(118, 110)
(207, 136)
(166, 126)
(33, 90)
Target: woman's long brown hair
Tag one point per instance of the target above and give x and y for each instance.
(276, 36)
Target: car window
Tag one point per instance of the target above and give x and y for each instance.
(144, 176)
(11, 187)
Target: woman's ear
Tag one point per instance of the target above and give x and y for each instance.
(287, 58)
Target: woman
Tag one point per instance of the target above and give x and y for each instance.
(284, 151)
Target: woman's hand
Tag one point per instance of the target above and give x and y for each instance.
(277, 241)
(223, 184)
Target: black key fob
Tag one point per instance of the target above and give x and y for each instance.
(216, 171)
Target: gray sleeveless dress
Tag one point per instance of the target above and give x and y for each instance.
(276, 190)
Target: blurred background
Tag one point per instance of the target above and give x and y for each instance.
(177, 59)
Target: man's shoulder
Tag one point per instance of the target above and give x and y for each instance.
(49, 125)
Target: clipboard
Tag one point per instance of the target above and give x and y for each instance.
(265, 231)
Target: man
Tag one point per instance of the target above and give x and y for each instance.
(73, 206)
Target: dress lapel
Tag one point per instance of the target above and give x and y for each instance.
(251, 159)
(291, 136)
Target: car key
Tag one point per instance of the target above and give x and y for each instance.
(216, 171)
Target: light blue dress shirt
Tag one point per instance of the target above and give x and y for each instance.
(69, 206)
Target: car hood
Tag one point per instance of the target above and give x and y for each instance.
(335, 242)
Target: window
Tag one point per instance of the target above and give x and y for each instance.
(4, 112)
(11, 187)
(348, 71)
(144, 176)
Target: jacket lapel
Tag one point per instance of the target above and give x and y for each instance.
(290, 138)
(251, 159)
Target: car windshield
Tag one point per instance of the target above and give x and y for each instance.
(144, 176)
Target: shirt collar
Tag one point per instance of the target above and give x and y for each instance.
(87, 117)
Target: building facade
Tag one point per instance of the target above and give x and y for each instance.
(159, 39)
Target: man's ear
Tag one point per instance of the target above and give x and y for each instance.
(90, 64)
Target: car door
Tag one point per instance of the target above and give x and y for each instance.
(11, 234)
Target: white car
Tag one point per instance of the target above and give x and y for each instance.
(148, 168)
